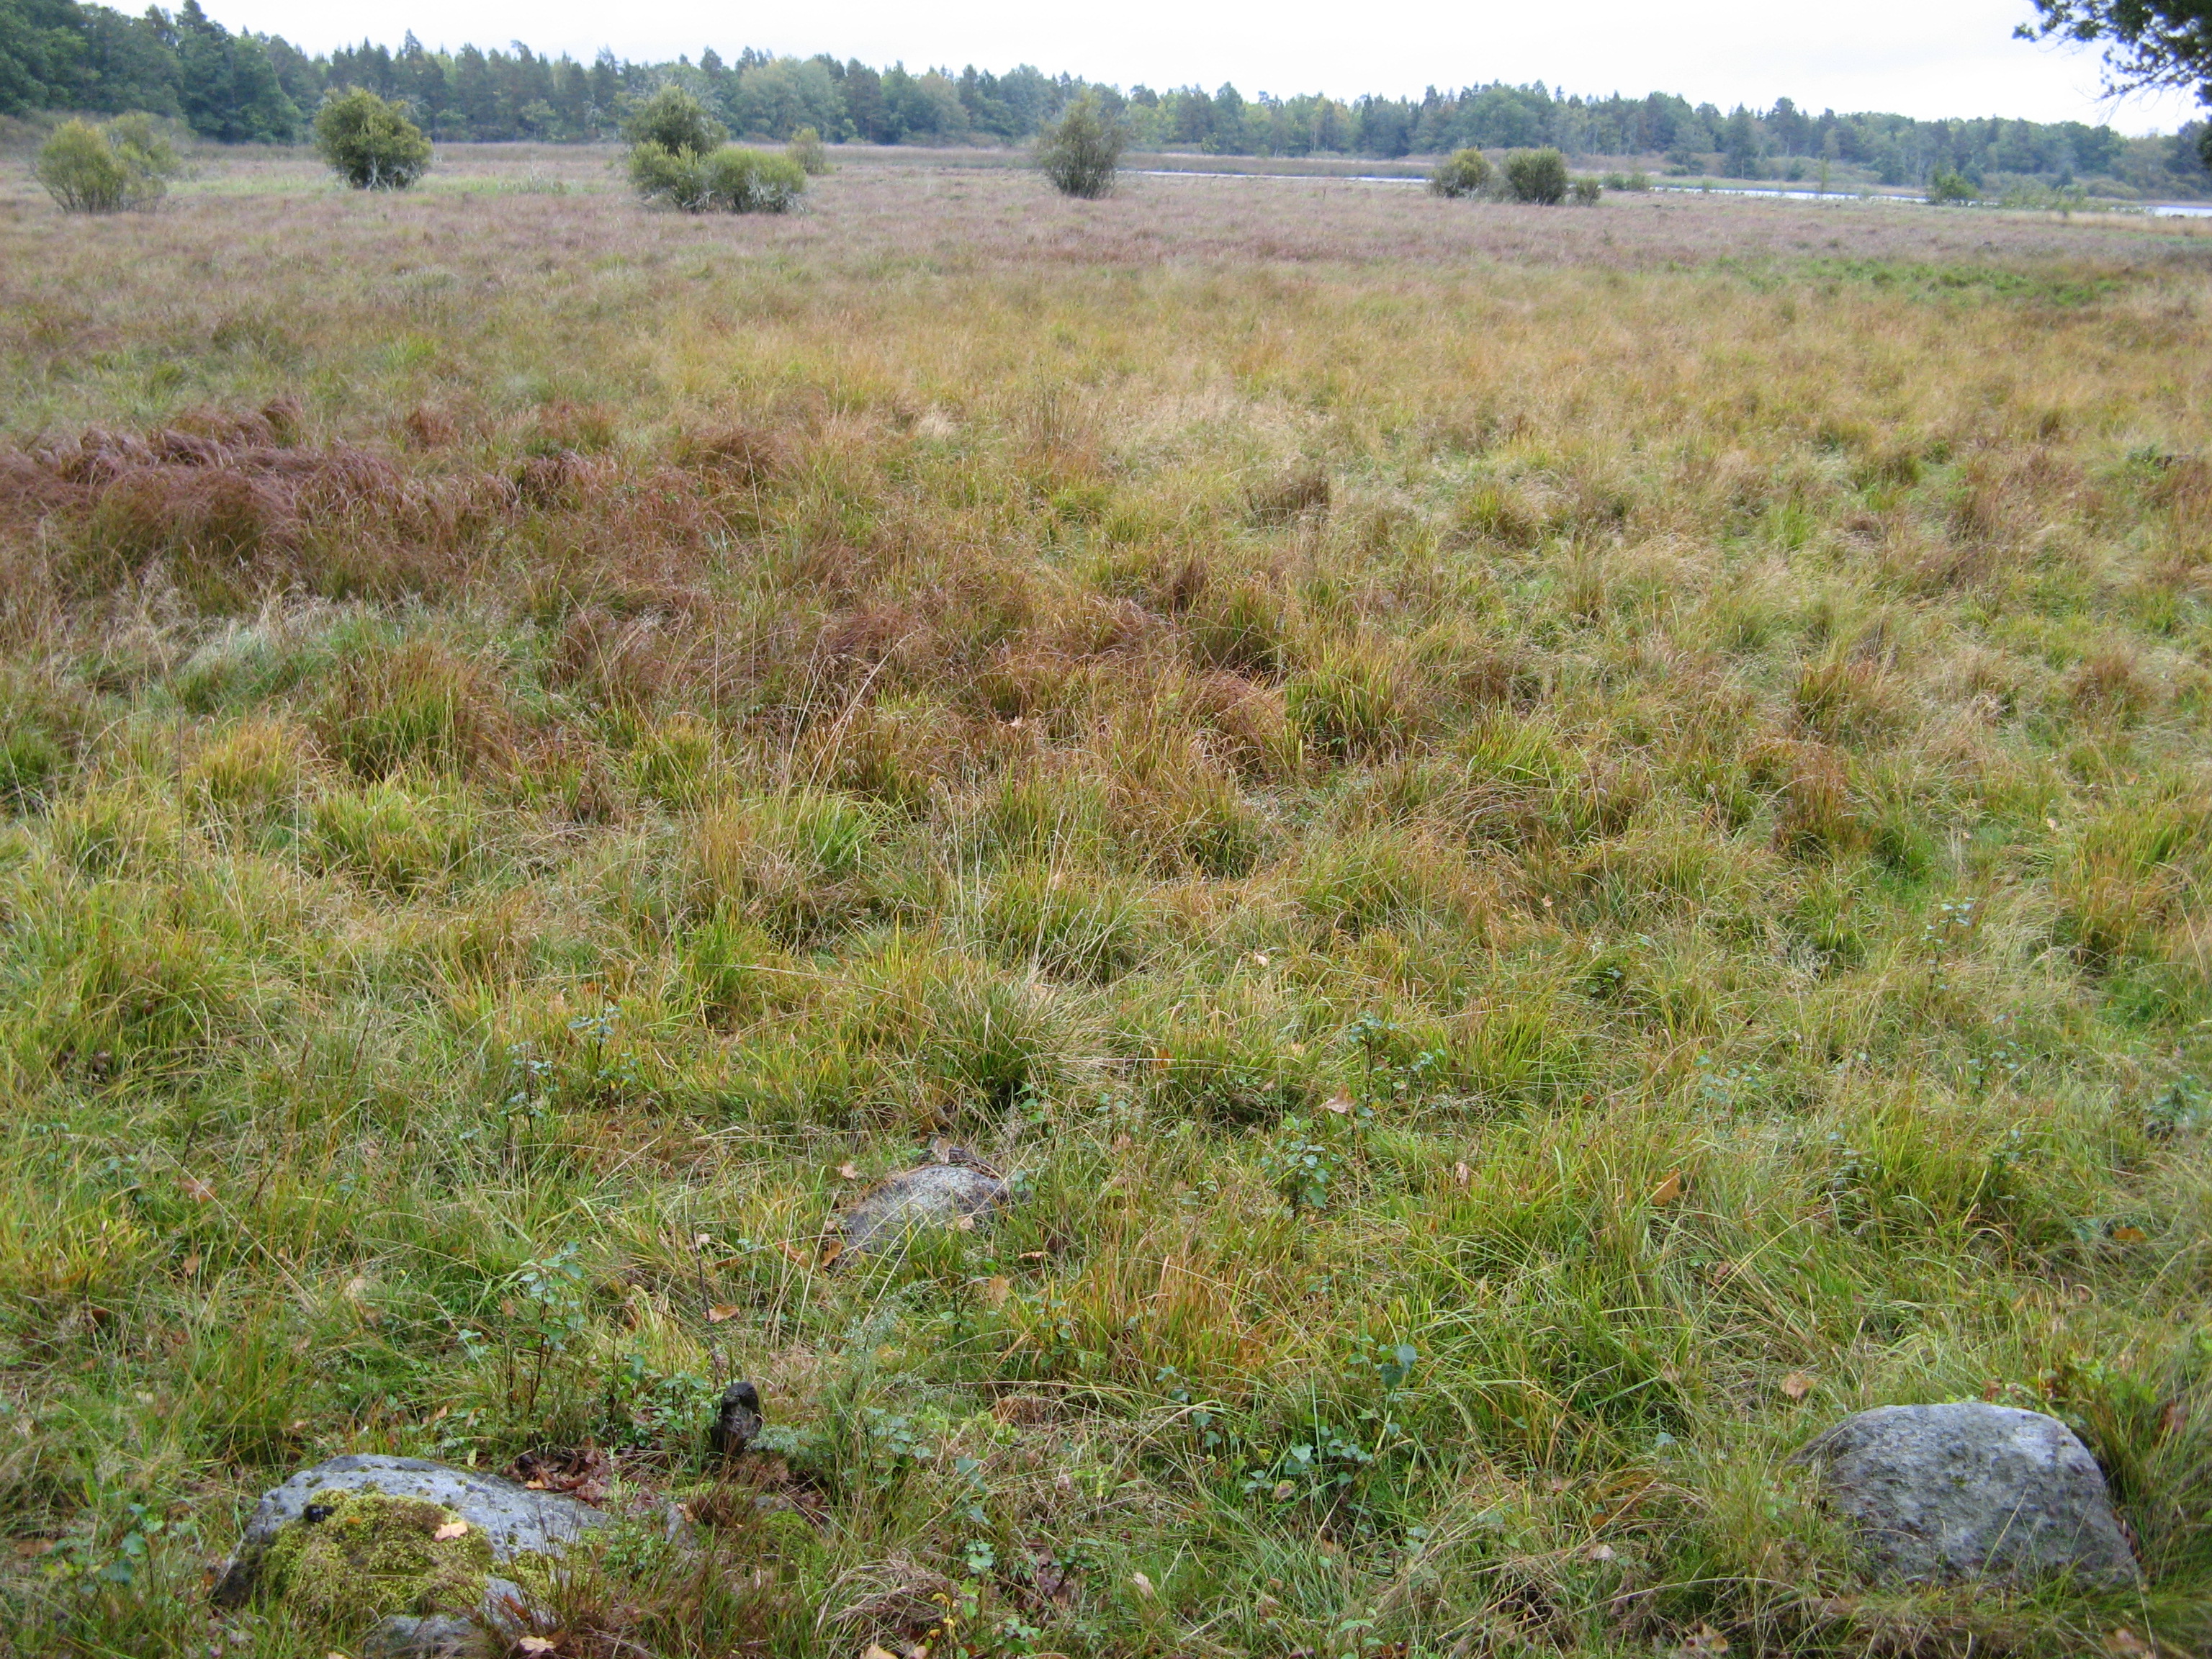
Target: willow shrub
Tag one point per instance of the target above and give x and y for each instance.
(1463, 173)
(91, 169)
(729, 180)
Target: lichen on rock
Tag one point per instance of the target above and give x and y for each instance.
(355, 1553)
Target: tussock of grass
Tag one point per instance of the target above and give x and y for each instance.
(1552, 851)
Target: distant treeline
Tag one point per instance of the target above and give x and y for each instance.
(60, 54)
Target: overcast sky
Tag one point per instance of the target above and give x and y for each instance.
(1923, 57)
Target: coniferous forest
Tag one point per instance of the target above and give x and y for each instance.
(237, 88)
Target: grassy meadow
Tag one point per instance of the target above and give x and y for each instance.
(1554, 846)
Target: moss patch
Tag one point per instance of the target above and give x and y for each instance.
(362, 1554)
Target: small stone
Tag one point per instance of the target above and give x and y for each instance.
(1942, 1493)
(935, 1194)
(431, 1636)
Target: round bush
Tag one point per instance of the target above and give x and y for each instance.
(1081, 151)
(89, 169)
(1947, 187)
(675, 121)
(1463, 173)
(1538, 176)
(370, 141)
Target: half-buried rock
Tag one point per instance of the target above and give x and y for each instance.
(1944, 1493)
(943, 1194)
(439, 1554)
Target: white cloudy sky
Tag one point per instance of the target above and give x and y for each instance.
(1925, 58)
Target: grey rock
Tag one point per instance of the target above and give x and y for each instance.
(512, 1519)
(432, 1635)
(936, 1195)
(1940, 1493)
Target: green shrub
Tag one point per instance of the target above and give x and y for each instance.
(677, 177)
(732, 178)
(1638, 181)
(673, 120)
(1080, 151)
(1947, 187)
(370, 141)
(89, 169)
(1538, 176)
(805, 149)
(1463, 173)
(1586, 191)
(740, 180)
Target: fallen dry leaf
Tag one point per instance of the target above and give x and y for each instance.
(1461, 1175)
(2129, 1645)
(1796, 1385)
(831, 1250)
(1144, 1585)
(456, 1528)
(2129, 1235)
(720, 1311)
(874, 1651)
(1705, 1640)
(1598, 1553)
(1339, 1102)
(2172, 1417)
(1666, 1192)
(793, 1253)
(996, 1290)
(191, 1264)
(848, 1172)
(197, 1190)
(534, 1645)
(965, 1224)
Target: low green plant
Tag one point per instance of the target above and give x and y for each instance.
(370, 141)
(1585, 190)
(1538, 176)
(1947, 188)
(741, 180)
(105, 169)
(805, 149)
(1638, 180)
(1463, 173)
(1081, 151)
